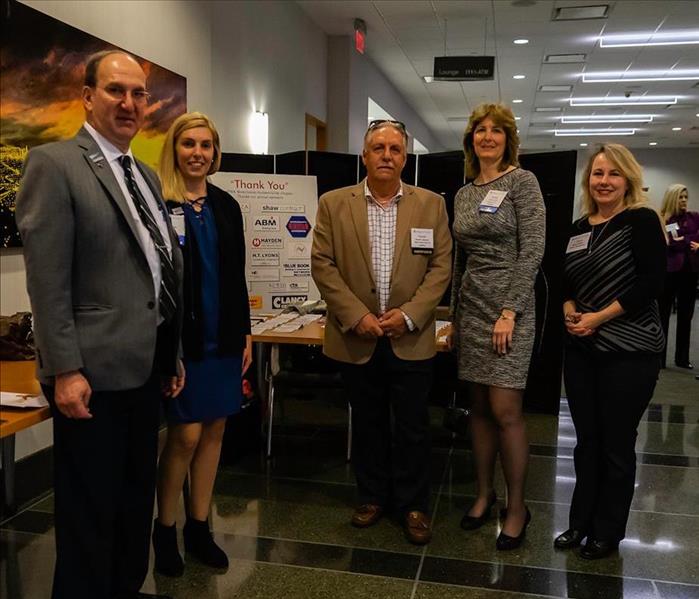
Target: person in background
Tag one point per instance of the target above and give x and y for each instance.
(104, 276)
(499, 229)
(682, 231)
(614, 271)
(216, 338)
(381, 258)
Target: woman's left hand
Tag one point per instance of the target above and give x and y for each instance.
(586, 325)
(502, 335)
(247, 353)
(693, 246)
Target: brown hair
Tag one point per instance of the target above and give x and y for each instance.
(170, 175)
(502, 116)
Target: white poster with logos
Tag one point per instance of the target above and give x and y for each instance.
(279, 213)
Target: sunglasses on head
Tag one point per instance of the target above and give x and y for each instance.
(378, 122)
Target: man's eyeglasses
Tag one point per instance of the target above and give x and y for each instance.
(378, 122)
(116, 92)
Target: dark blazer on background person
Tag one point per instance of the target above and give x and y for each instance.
(342, 269)
(90, 284)
(234, 306)
(678, 251)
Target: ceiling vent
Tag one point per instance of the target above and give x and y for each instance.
(578, 13)
(555, 88)
(564, 58)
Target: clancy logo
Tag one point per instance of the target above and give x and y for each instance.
(282, 301)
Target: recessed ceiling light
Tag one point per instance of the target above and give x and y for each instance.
(677, 128)
(555, 88)
(608, 118)
(649, 38)
(518, 118)
(519, 76)
(520, 42)
(624, 101)
(517, 101)
(565, 58)
(583, 132)
(428, 79)
(574, 13)
(648, 75)
(583, 144)
(652, 143)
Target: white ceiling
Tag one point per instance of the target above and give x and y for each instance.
(403, 37)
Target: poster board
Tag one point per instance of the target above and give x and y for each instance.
(279, 213)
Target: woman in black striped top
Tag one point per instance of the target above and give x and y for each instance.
(614, 269)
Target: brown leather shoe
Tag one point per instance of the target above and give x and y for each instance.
(418, 528)
(366, 515)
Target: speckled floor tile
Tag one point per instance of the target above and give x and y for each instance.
(426, 590)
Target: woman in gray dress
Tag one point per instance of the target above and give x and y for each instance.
(499, 229)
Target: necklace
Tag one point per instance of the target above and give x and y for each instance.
(592, 235)
(198, 204)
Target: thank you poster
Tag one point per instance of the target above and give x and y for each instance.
(279, 213)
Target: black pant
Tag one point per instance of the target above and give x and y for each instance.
(683, 286)
(607, 395)
(104, 470)
(391, 459)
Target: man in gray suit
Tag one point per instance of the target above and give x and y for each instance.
(104, 273)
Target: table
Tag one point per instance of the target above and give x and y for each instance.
(16, 377)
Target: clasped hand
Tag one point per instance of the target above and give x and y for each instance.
(581, 324)
(391, 324)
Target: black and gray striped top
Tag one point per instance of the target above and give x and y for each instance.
(625, 261)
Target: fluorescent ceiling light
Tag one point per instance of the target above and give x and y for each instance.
(624, 101)
(652, 143)
(583, 132)
(574, 13)
(519, 76)
(609, 118)
(650, 75)
(565, 58)
(520, 42)
(517, 101)
(584, 144)
(677, 128)
(555, 88)
(649, 38)
(518, 118)
(547, 109)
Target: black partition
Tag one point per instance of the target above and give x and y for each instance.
(291, 163)
(555, 172)
(246, 163)
(332, 170)
(407, 176)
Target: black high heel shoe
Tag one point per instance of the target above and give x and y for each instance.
(475, 522)
(506, 542)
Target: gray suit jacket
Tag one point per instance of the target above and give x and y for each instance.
(89, 282)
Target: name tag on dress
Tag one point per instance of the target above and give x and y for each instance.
(492, 200)
(673, 229)
(422, 240)
(178, 224)
(578, 242)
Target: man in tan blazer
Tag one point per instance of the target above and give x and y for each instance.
(382, 261)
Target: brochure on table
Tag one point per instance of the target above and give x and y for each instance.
(279, 213)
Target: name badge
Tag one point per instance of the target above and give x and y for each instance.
(578, 242)
(673, 229)
(422, 240)
(178, 225)
(492, 200)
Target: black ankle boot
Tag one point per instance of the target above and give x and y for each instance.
(168, 560)
(200, 543)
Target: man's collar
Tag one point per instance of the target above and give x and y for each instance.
(369, 195)
(110, 151)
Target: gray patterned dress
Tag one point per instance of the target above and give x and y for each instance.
(495, 264)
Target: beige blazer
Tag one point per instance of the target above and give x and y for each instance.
(341, 267)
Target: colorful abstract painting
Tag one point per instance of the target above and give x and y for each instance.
(41, 69)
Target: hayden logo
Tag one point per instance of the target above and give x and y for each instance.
(267, 242)
(266, 223)
(282, 301)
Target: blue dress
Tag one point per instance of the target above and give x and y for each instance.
(213, 385)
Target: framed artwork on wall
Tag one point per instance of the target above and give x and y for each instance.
(42, 67)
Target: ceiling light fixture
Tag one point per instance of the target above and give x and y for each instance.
(584, 144)
(677, 128)
(649, 75)
(624, 101)
(610, 118)
(520, 42)
(518, 118)
(565, 58)
(519, 76)
(652, 143)
(555, 88)
(649, 38)
(428, 79)
(575, 13)
(583, 132)
(517, 101)
(547, 109)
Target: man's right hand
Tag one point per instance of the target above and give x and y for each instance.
(368, 327)
(72, 395)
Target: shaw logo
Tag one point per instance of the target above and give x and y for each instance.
(266, 223)
(298, 226)
(282, 301)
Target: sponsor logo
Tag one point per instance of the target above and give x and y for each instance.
(267, 242)
(263, 274)
(266, 223)
(264, 258)
(282, 301)
(282, 208)
(298, 226)
(256, 302)
(298, 249)
(297, 269)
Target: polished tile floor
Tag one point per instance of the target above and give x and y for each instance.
(284, 522)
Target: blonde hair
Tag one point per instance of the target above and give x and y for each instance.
(170, 175)
(502, 116)
(671, 201)
(623, 160)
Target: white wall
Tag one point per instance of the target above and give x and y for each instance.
(661, 168)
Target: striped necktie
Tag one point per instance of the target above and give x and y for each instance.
(168, 286)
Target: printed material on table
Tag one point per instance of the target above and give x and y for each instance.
(284, 323)
(22, 400)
